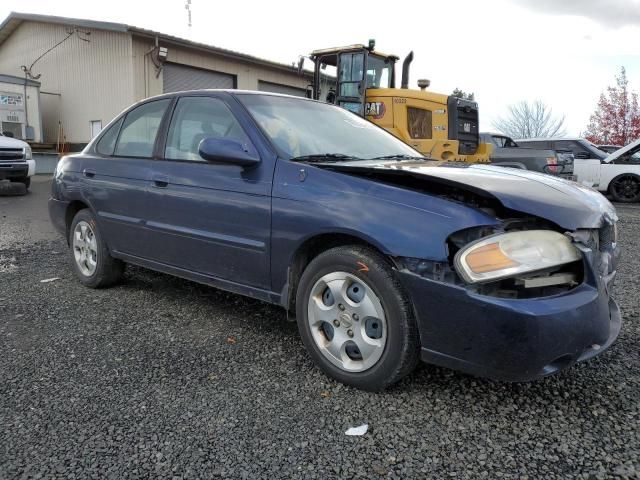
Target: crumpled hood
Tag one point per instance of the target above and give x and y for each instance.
(567, 204)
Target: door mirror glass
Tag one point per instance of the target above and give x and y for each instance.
(227, 151)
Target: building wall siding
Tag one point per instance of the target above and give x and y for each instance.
(94, 79)
(248, 75)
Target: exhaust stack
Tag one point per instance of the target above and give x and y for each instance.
(405, 70)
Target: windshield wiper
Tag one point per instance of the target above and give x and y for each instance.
(400, 156)
(320, 157)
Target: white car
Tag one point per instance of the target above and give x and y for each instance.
(16, 161)
(618, 174)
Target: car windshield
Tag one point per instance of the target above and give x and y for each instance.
(299, 128)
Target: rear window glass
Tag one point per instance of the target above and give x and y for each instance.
(107, 142)
(140, 128)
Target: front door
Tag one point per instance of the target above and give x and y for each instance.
(210, 218)
(351, 82)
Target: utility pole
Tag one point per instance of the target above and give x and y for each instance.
(187, 6)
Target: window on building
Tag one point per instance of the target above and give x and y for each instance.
(140, 128)
(96, 127)
(107, 142)
(420, 123)
(197, 118)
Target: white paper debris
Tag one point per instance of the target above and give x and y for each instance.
(47, 280)
(357, 431)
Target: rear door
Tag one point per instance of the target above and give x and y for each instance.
(211, 218)
(116, 177)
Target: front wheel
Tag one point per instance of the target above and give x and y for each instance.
(92, 262)
(24, 180)
(355, 319)
(625, 188)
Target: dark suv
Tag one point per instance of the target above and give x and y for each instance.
(581, 148)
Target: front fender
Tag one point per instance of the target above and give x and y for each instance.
(309, 201)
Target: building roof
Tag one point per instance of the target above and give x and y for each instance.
(13, 21)
(17, 80)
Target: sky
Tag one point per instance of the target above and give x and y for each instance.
(563, 52)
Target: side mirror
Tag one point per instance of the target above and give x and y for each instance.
(309, 91)
(227, 151)
(583, 155)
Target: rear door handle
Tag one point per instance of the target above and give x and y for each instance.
(160, 181)
(89, 173)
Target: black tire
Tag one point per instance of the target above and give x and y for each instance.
(401, 350)
(625, 188)
(24, 180)
(108, 270)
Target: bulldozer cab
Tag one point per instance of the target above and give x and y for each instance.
(357, 68)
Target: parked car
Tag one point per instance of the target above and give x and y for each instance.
(609, 148)
(506, 152)
(581, 148)
(618, 174)
(382, 256)
(16, 161)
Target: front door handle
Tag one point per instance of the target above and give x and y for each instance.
(160, 181)
(87, 172)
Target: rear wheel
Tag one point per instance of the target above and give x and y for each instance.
(355, 319)
(92, 262)
(625, 188)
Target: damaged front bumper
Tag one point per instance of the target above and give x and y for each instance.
(518, 339)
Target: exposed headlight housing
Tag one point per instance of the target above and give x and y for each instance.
(27, 153)
(508, 254)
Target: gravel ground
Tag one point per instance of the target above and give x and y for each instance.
(164, 378)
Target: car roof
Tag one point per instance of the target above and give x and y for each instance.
(549, 139)
(495, 134)
(233, 92)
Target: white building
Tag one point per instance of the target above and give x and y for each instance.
(98, 69)
(20, 118)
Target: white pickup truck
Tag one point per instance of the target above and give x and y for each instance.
(16, 161)
(618, 174)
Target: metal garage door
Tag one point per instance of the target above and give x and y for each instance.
(279, 88)
(178, 77)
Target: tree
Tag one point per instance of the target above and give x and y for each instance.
(616, 119)
(530, 120)
(460, 94)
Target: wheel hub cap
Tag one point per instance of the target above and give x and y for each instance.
(341, 310)
(85, 248)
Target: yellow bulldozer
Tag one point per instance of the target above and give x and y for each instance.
(443, 127)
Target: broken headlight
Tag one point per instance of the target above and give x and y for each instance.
(514, 253)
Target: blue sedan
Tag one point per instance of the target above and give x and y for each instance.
(382, 256)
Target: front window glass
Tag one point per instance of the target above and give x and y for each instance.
(420, 124)
(378, 72)
(197, 118)
(303, 127)
(140, 128)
